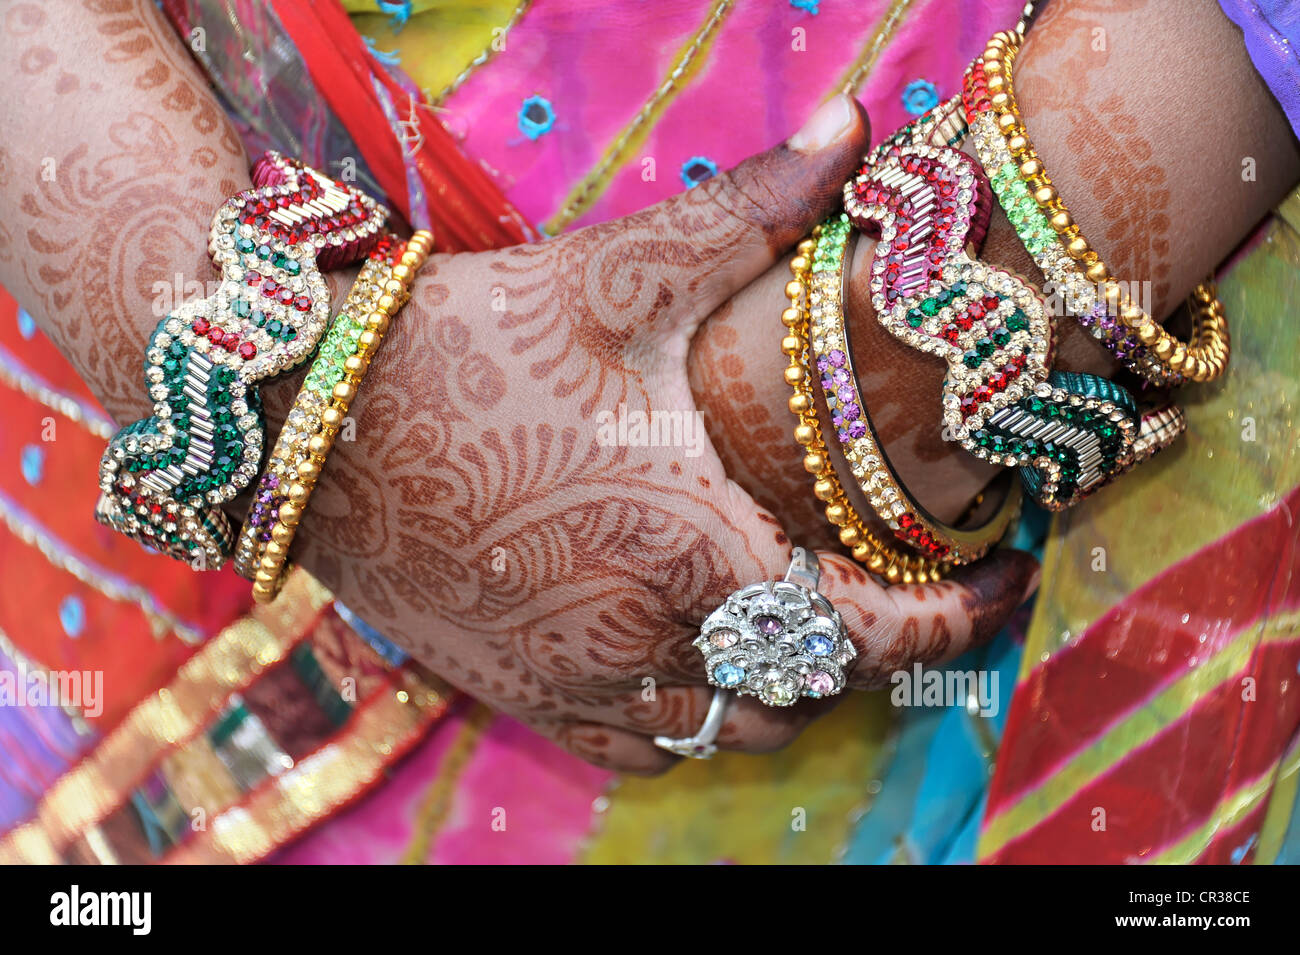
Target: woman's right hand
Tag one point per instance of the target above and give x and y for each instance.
(484, 520)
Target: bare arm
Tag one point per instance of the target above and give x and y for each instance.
(1145, 114)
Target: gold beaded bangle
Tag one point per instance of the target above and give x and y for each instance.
(887, 494)
(1161, 358)
(304, 419)
(879, 556)
(331, 386)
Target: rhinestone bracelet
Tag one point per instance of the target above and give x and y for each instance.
(867, 460)
(304, 420)
(879, 556)
(164, 478)
(928, 205)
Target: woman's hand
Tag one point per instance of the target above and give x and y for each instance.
(478, 518)
(490, 519)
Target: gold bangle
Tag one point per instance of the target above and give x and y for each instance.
(1052, 236)
(887, 495)
(302, 423)
(323, 402)
(878, 556)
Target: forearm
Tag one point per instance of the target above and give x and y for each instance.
(117, 195)
(116, 155)
(1148, 150)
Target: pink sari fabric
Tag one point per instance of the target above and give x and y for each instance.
(598, 63)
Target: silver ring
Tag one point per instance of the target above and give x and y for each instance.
(779, 640)
(701, 745)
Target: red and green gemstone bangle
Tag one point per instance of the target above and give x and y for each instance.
(928, 206)
(163, 479)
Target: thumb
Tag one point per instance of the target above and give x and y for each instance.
(740, 222)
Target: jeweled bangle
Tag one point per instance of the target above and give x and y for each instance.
(163, 479)
(1050, 234)
(927, 204)
(335, 377)
(889, 497)
(303, 421)
(1161, 426)
(879, 556)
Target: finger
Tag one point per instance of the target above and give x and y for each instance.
(894, 627)
(748, 217)
(891, 627)
(679, 712)
(609, 747)
(669, 266)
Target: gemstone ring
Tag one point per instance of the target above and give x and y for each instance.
(703, 744)
(779, 640)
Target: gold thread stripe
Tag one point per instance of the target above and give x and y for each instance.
(439, 795)
(32, 533)
(21, 378)
(198, 778)
(857, 73)
(489, 52)
(1133, 731)
(97, 844)
(322, 782)
(1281, 808)
(1231, 810)
(29, 845)
(687, 65)
(229, 662)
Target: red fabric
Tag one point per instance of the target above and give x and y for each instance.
(118, 637)
(1160, 792)
(1151, 800)
(466, 209)
(1133, 670)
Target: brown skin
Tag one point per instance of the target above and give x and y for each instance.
(476, 429)
(1144, 144)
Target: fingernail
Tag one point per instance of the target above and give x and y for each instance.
(824, 126)
(1033, 583)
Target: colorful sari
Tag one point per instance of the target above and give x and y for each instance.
(297, 734)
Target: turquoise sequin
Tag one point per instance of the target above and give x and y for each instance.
(536, 117)
(72, 614)
(697, 169)
(32, 464)
(920, 96)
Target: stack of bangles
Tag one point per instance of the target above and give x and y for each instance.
(928, 204)
(164, 479)
(285, 487)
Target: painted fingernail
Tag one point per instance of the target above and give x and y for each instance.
(827, 124)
